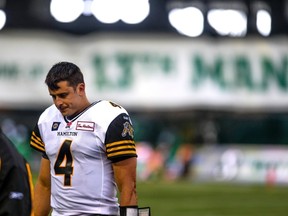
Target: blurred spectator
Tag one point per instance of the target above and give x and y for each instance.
(184, 155)
(18, 134)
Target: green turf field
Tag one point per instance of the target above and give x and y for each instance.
(196, 199)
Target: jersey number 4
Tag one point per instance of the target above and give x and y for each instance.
(64, 162)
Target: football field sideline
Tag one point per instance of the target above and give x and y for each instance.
(203, 199)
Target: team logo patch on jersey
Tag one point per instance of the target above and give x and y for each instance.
(85, 126)
(55, 126)
(127, 129)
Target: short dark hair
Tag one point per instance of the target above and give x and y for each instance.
(64, 71)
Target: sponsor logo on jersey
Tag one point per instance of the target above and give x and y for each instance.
(16, 195)
(127, 129)
(55, 126)
(85, 126)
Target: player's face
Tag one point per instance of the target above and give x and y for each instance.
(67, 99)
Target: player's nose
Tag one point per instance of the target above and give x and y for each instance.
(58, 102)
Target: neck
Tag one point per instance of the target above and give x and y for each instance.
(82, 109)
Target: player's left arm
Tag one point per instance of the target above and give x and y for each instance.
(125, 177)
(121, 150)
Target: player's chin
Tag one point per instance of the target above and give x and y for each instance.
(65, 111)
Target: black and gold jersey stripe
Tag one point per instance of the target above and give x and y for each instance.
(36, 141)
(121, 148)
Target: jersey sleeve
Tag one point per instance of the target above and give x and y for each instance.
(119, 139)
(36, 140)
(15, 181)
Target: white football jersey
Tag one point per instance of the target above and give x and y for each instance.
(81, 152)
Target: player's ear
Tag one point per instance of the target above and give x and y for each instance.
(81, 88)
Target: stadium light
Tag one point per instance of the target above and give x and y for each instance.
(188, 21)
(186, 17)
(66, 10)
(228, 19)
(2, 14)
(129, 11)
(228, 22)
(263, 22)
(135, 11)
(2, 19)
(263, 19)
(106, 11)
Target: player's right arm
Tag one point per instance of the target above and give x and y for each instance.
(43, 190)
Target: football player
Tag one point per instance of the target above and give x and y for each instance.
(88, 152)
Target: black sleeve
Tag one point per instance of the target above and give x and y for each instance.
(15, 181)
(119, 139)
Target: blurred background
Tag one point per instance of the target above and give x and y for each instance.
(205, 82)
